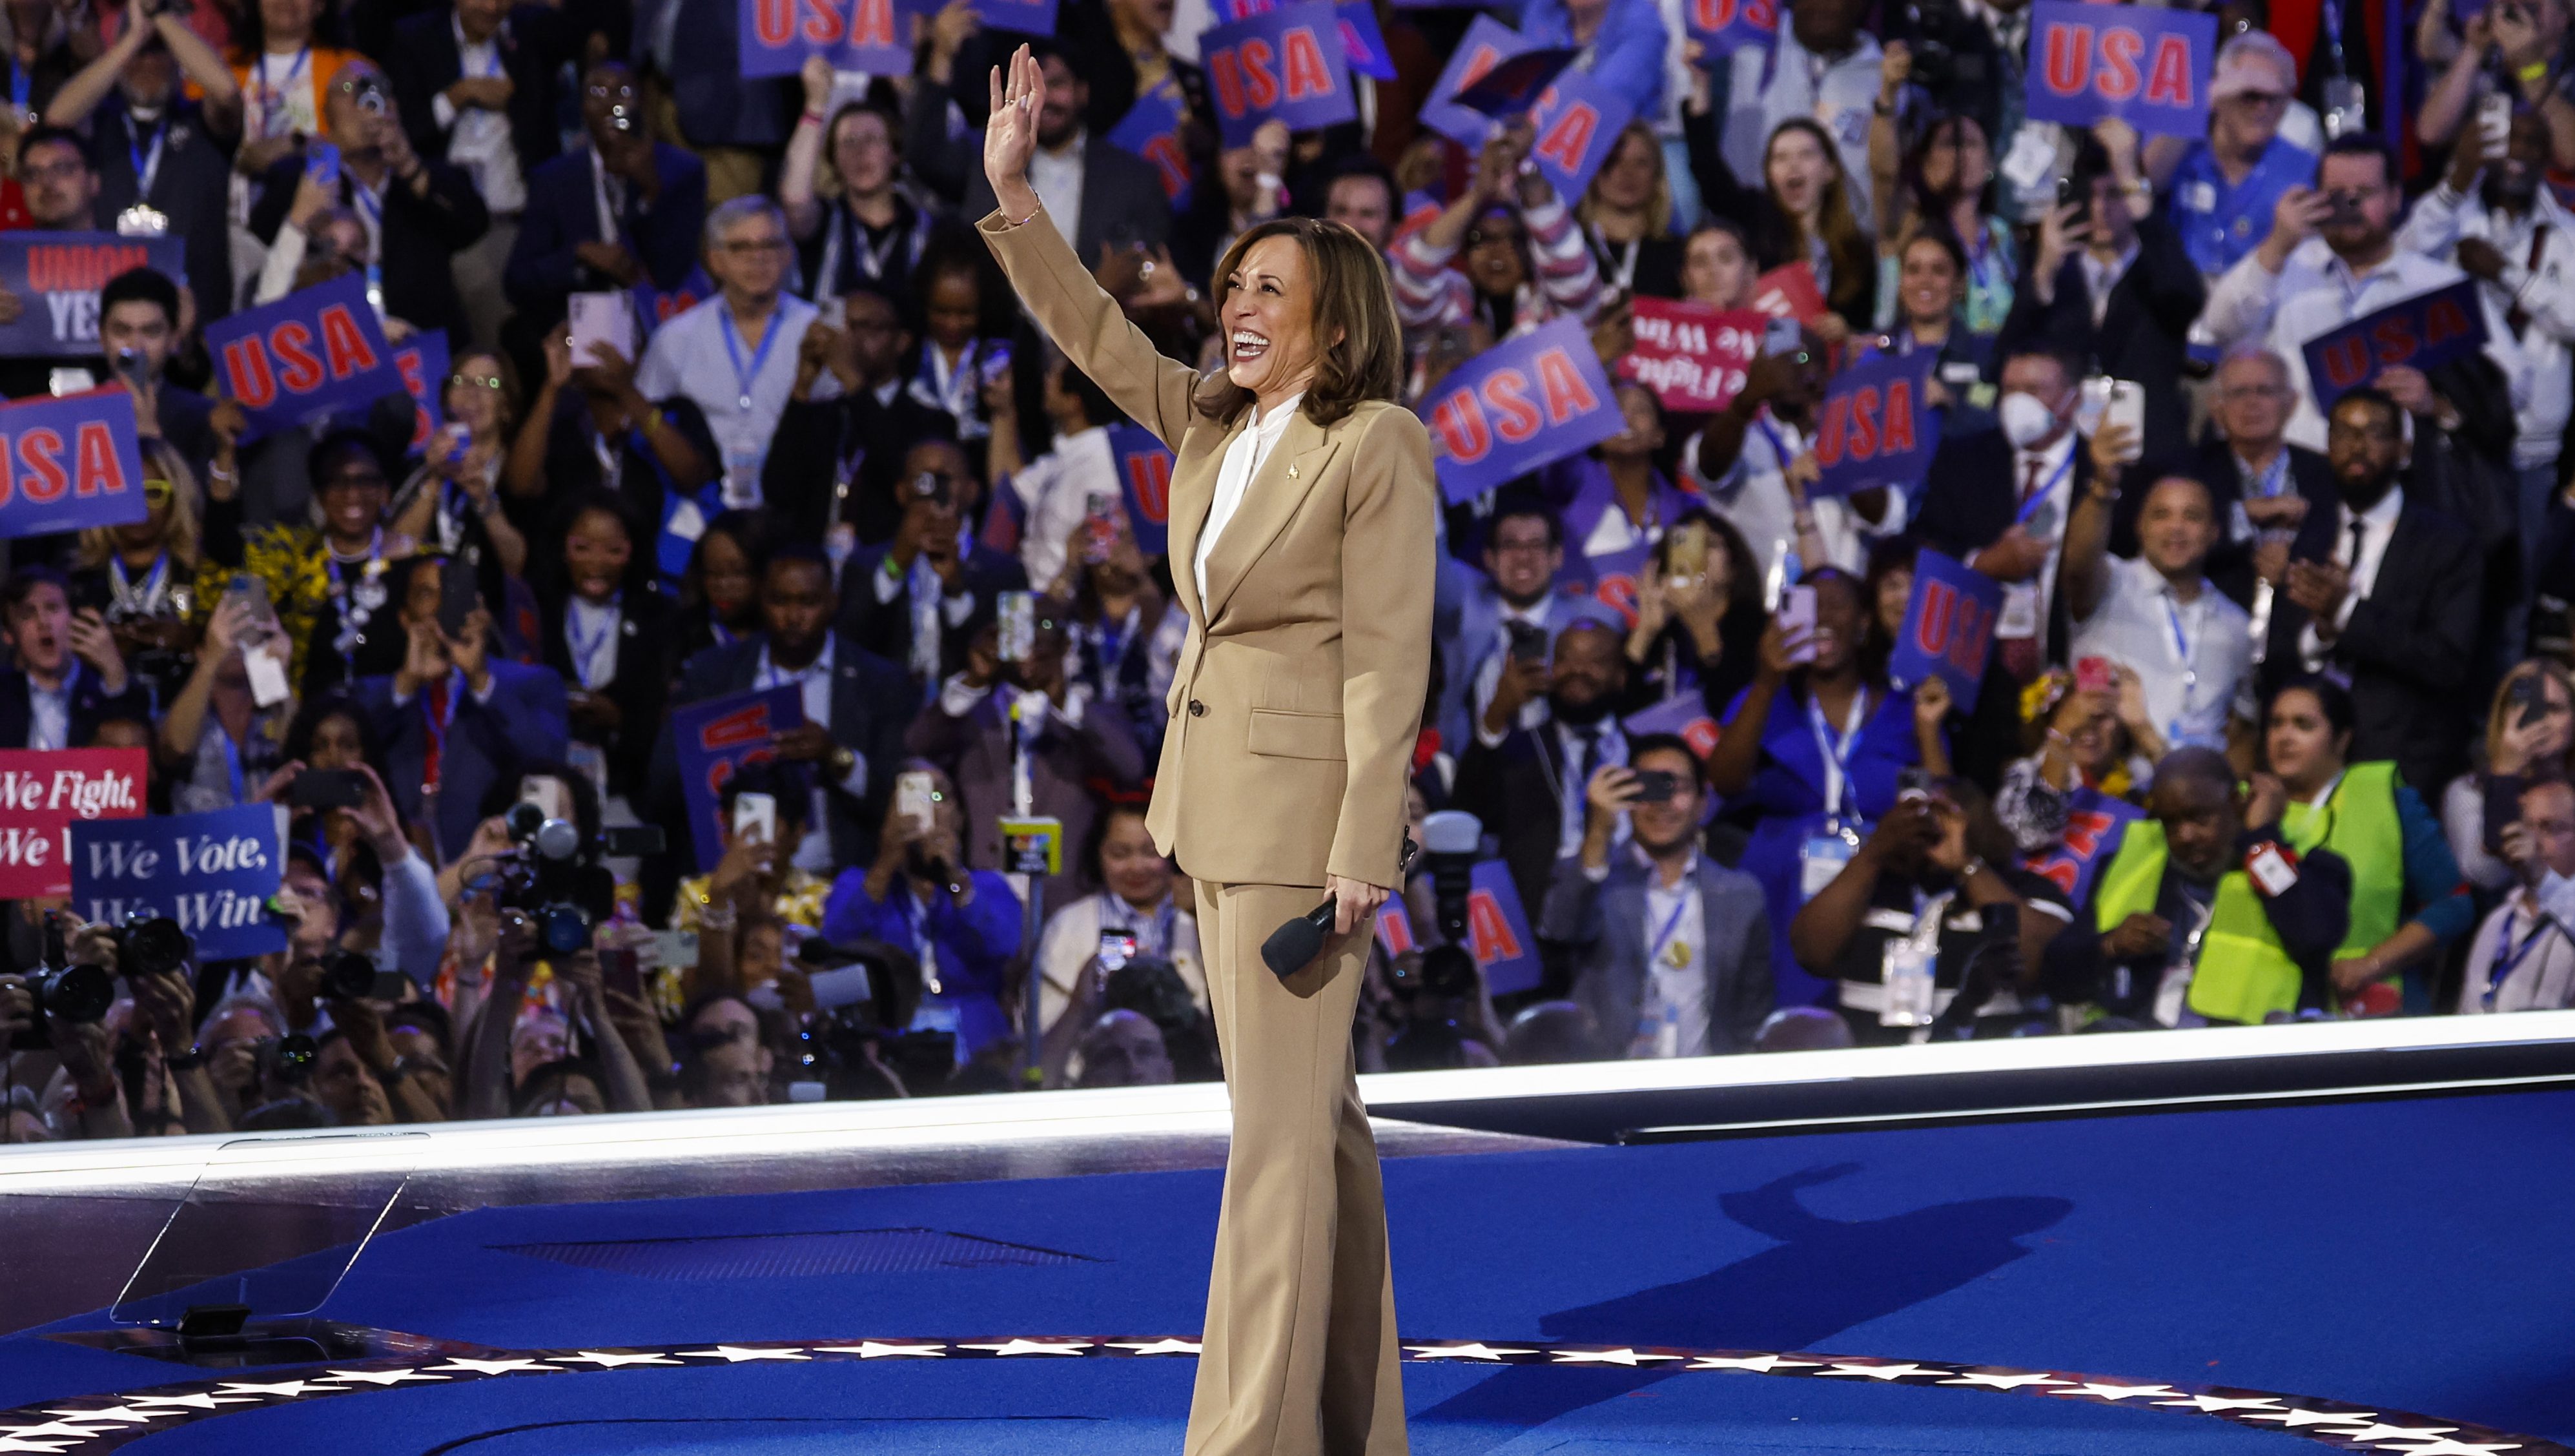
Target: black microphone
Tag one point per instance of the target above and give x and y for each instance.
(1293, 945)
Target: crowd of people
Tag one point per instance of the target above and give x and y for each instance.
(2235, 756)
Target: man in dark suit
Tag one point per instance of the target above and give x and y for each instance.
(1116, 197)
(1997, 500)
(477, 88)
(1535, 747)
(69, 677)
(856, 707)
(149, 143)
(885, 589)
(1658, 980)
(874, 422)
(655, 194)
(2384, 589)
(2114, 292)
(430, 208)
(2263, 486)
(456, 719)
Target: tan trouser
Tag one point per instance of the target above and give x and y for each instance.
(1301, 1356)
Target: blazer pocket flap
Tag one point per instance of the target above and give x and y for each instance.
(1279, 733)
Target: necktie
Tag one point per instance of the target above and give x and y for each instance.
(2029, 479)
(1589, 762)
(434, 702)
(2353, 561)
(2517, 317)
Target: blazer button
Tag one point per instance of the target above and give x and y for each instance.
(1196, 708)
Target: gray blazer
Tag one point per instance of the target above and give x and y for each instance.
(1606, 923)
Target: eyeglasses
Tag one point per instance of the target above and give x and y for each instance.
(755, 245)
(65, 170)
(487, 381)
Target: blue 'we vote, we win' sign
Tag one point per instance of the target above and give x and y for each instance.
(213, 873)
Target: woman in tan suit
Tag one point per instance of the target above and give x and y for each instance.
(1301, 546)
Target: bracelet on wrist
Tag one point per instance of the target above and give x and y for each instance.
(1024, 222)
(2532, 74)
(811, 115)
(186, 1061)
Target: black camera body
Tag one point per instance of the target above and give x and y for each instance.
(1952, 61)
(145, 945)
(555, 875)
(1451, 843)
(842, 1047)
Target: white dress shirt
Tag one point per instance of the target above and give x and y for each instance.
(1754, 498)
(2538, 277)
(589, 636)
(49, 722)
(2025, 603)
(1056, 488)
(2100, 277)
(1672, 1022)
(1242, 460)
(2189, 657)
(2377, 529)
(479, 140)
(2317, 292)
(687, 355)
(1054, 175)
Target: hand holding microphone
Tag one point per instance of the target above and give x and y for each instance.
(1348, 904)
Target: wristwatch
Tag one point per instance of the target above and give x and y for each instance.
(188, 1061)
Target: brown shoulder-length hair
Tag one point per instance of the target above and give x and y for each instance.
(1354, 298)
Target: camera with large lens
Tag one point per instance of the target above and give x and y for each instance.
(555, 875)
(1434, 982)
(1950, 60)
(865, 994)
(151, 945)
(145, 945)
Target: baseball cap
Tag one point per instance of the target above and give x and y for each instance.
(2254, 62)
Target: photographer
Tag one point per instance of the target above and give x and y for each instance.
(427, 210)
(1928, 879)
(1675, 948)
(410, 927)
(909, 600)
(492, 1080)
(964, 924)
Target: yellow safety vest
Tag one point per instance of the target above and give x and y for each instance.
(2245, 972)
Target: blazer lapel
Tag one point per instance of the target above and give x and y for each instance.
(1270, 502)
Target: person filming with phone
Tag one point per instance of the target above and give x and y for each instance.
(1672, 950)
(2522, 958)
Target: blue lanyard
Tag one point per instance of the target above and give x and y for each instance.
(2504, 968)
(147, 165)
(232, 760)
(733, 349)
(21, 86)
(1672, 923)
(152, 584)
(2046, 487)
(1837, 756)
(272, 99)
(2273, 478)
(585, 647)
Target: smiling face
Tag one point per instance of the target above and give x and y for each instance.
(1662, 828)
(2177, 527)
(474, 394)
(1894, 595)
(1268, 316)
(1522, 558)
(1799, 171)
(596, 552)
(1839, 620)
(1928, 283)
(1068, 96)
(1133, 868)
(351, 494)
(1715, 270)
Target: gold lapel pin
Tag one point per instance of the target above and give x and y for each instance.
(1292, 472)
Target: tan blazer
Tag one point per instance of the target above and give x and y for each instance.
(1298, 693)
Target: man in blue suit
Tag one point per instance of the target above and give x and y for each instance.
(654, 194)
(1673, 948)
(1523, 552)
(454, 720)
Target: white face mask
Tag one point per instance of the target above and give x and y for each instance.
(2027, 419)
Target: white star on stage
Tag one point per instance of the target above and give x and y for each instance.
(1476, 1351)
(196, 1401)
(1161, 1347)
(610, 1359)
(2114, 1392)
(736, 1354)
(51, 1431)
(2376, 1434)
(1759, 1364)
(2447, 1447)
(876, 1349)
(2003, 1382)
(2215, 1403)
(110, 1413)
(494, 1367)
(1628, 1358)
(383, 1377)
(1033, 1348)
(1884, 1372)
(23, 1443)
(2301, 1416)
(285, 1389)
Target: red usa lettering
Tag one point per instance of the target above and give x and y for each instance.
(1488, 930)
(1310, 78)
(2107, 60)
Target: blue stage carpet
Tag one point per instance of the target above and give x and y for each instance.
(2400, 1257)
